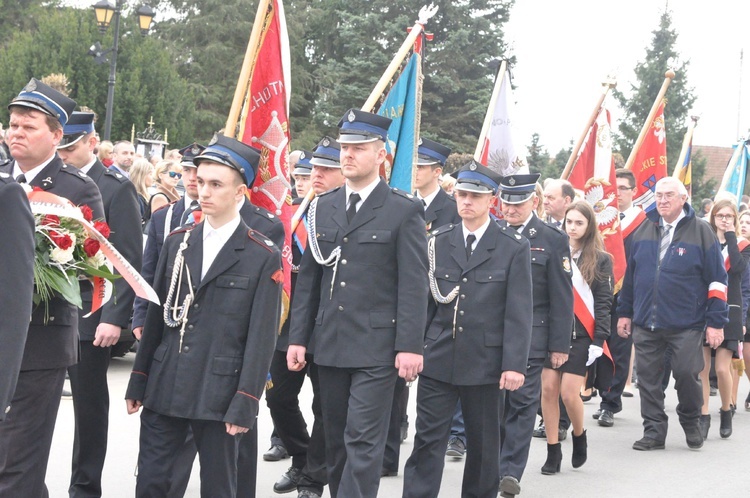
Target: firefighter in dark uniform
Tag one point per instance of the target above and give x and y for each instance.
(362, 296)
(100, 331)
(477, 339)
(552, 321)
(37, 117)
(17, 275)
(439, 210)
(205, 352)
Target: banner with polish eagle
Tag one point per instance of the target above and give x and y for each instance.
(264, 124)
(593, 174)
(650, 164)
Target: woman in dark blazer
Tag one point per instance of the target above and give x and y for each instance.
(724, 220)
(592, 286)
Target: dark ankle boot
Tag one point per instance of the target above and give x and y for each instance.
(725, 430)
(705, 424)
(554, 457)
(580, 450)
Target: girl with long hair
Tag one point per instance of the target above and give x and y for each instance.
(724, 219)
(592, 279)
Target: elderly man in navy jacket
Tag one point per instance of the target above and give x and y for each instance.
(675, 288)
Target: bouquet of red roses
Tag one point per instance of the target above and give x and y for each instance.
(67, 251)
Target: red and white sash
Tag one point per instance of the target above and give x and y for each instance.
(632, 220)
(583, 305)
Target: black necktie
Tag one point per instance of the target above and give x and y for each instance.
(193, 206)
(622, 216)
(469, 242)
(21, 178)
(352, 210)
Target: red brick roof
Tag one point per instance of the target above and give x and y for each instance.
(716, 160)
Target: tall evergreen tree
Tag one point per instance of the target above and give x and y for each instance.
(649, 73)
(147, 82)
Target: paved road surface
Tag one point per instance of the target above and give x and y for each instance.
(613, 468)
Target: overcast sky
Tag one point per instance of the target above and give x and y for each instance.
(565, 49)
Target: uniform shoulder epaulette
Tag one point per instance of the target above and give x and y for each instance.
(404, 194)
(265, 213)
(443, 229)
(260, 239)
(512, 234)
(182, 229)
(165, 206)
(4, 176)
(117, 176)
(335, 189)
(75, 172)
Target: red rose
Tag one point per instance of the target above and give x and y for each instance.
(62, 241)
(88, 214)
(102, 228)
(51, 220)
(91, 247)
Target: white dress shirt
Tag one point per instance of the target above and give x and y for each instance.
(214, 239)
(30, 174)
(477, 233)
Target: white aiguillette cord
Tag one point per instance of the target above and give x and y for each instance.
(177, 316)
(312, 237)
(435, 290)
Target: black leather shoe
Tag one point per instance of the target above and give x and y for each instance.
(388, 473)
(456, 448)
(275, 453)
(725, 430)
(509, 486)
(66, 394)
(554, 457)
(693, 436)
(705, 424)
(596, 414)
(606, 419)
(540, 431)
(288, 481)
(648, 444)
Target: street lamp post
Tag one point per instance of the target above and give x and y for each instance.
(106, 13)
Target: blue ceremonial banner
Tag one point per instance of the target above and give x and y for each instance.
(736, 172)
(403, 105)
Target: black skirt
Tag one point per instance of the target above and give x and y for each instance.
(577, 356)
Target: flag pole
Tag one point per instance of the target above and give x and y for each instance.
(490, 108)
(668, 76)
(425, 14)
(685, 144)
(607, 85)
(247, 66)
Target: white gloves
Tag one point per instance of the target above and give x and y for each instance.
(594, 353)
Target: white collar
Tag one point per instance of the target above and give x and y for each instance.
(224, 232)
(428, 200)
(90, 165)
(364, 193)
(676, 221)
(31, 174)
(479, 232)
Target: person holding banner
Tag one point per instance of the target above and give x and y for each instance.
(361, 295)
(631, 217)
(37, 117)
(100, 331)
(674, 295)
(592, 290)
(736, 252)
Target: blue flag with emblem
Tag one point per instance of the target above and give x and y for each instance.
(403, 106)
(736, 172)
